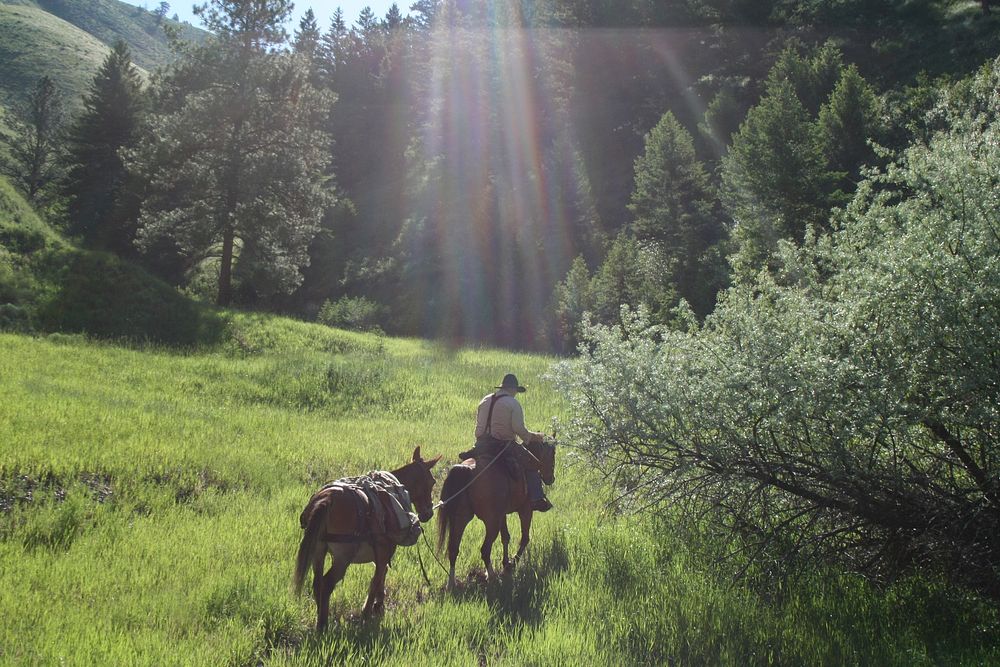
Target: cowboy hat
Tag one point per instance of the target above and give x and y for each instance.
(510, 383)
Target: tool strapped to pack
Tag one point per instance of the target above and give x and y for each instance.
(389, 509)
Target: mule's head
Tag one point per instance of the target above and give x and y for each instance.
(545, 452)
(419, 482)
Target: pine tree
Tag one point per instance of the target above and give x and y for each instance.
(367, 23)
(722, 119)
(95, 185)
(812, 73)
(307, 45)
(423, 13)
(573, 299)
(332, 48)
(160, 12)
(237, 165)
(307, 35)
(848, 119)
(33, 162)
(775, 183)
(393, 18)
(674, 206)
(631, 275)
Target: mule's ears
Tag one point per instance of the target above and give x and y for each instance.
(429, 464)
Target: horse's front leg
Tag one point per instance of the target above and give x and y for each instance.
(505, 541)
(525, 516)
(492, 530)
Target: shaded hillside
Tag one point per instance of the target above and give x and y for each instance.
(47, 284)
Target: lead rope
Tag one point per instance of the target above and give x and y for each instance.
(420, 560)
(434, 554)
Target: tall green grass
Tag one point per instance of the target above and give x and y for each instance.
(149, 502)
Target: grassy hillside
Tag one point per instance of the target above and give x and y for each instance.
(4, 129)
(149, 504)
(47, 284)
(34, 43)
(111, 20)
(68, 39)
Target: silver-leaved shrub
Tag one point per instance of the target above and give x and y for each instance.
(845, 405)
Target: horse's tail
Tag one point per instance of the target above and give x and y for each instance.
(313, 519)
(452, 493)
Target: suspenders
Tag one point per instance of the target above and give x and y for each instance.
(489, 416)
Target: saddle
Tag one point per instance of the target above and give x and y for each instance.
(486, 450)
(383, 509)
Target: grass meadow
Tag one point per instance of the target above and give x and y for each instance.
(149, 502)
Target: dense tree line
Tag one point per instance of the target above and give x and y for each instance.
(492, 171)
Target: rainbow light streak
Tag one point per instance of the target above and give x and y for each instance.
(505, 185)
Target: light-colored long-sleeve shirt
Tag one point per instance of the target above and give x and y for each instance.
(507, 421)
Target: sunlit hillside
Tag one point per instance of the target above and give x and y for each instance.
(35, 43)
(111, 20)
(68, 39)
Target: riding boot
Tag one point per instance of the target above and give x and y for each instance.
(536, 495)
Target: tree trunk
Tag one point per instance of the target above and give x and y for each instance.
(226, 269)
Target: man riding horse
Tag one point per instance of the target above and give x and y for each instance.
(499, 422)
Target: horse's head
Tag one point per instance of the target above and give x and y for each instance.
(419, 482)
(545, 451)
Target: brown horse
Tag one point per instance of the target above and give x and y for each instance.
(490, 494)
(338, 521)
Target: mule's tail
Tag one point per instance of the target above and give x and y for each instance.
(313, 527)
(453, 493)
